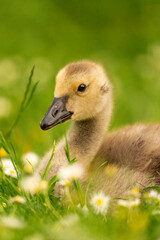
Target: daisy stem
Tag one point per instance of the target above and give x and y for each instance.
(105, 218)
(57, 215)
(68, 195)
(79, 191)
(3, 175)
(49, 162)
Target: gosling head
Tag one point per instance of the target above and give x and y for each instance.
(82, 91)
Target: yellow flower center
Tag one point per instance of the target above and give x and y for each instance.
(99, 201)
(28, 168)
(67, 183)
(134, 205)
(135, 190)
(4, 204)
(12, 171)
(3, 153)
(17, 198)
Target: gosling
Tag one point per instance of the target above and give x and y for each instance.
(127, 158)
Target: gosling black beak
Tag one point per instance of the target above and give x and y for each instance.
(56, 113)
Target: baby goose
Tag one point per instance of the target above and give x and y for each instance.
(83, 94)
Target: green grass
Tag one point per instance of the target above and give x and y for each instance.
(44, 216)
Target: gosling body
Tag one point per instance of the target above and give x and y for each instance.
(132, 151)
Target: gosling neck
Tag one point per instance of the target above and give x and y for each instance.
(85, 137)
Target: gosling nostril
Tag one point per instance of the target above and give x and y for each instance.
(54, 112)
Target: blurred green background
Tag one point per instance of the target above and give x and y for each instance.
(123, 35)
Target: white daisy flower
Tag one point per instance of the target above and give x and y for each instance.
(10, 172)
(12, 222)
(100, 203)
(129, 203)
(65, 183)
(153, 194)
(134, 203)
(4, 204)
(30, 158)
(84, 209)
(33, 184)
(9, 168)
(70, 172)
(123, 203)
(18, 199)
(7, 163)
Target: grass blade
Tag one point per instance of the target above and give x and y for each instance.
(3, 143)
(27, 88)
(49, 162)
(67, 150)
(31, 95)
(24, 102)
(52, 183)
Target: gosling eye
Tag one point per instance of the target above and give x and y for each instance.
(81, 88)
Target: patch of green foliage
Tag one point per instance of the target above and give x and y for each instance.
(44, 216)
